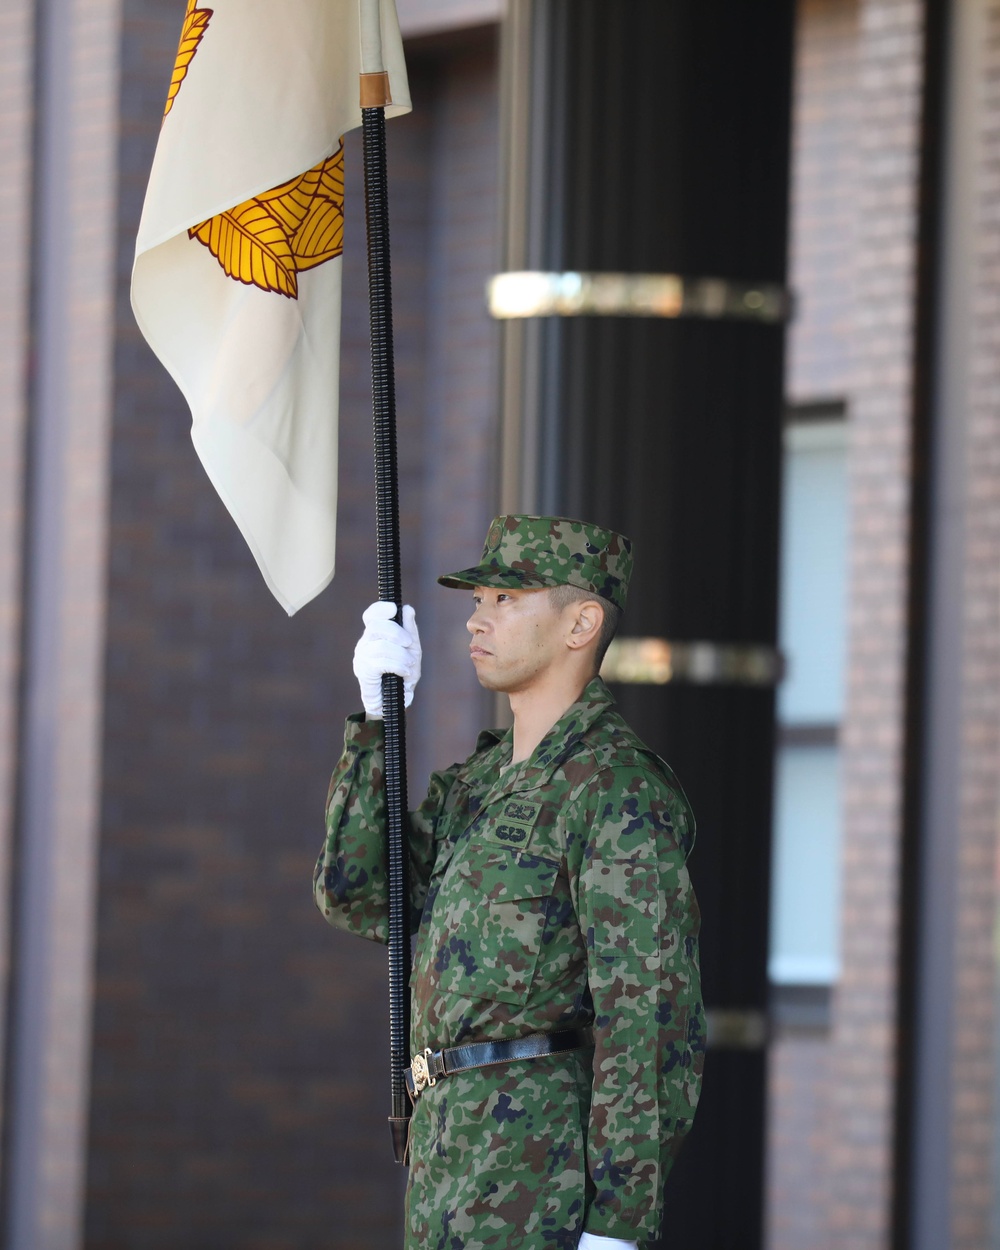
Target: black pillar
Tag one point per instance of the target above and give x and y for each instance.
(653, 137)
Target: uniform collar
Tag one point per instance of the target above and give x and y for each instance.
(557, 744)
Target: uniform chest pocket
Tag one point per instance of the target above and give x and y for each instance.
(490, 916)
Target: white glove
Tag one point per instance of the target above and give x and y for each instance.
(590, 1241)
(386, 647)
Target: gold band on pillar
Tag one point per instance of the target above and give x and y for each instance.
(531, 293)
(655, 662)
(740, 1028)
(375, 93)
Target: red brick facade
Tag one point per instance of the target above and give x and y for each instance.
(855, 166)
(832, 1098)
(861, 1072)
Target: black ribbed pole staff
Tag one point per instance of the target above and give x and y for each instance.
(389, 590)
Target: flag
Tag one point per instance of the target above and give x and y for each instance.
(237, 274)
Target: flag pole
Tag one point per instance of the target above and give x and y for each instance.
(374, 97)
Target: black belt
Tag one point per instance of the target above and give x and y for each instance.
(433, 1065)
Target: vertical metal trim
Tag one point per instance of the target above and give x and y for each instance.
(516, 104)
(921, 1217)
(16, 142)
(73, 266)
(533, 54)
(30, 954)
(960, 34)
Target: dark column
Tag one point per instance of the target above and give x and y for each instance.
(652, 137)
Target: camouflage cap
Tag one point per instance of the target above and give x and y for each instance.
(528, 552)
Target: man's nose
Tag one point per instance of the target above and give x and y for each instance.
(475, 624)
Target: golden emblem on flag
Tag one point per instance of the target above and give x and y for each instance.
(195, 24)
(271, 238)
(261, 91)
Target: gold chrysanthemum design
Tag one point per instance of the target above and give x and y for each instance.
(267, 241)
(195, 24)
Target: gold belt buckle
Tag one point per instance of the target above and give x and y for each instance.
(421, 1071)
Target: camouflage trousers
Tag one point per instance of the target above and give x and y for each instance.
(498, 1158)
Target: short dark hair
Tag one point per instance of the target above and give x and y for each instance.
(561, 596)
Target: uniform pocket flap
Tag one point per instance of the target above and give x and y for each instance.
(502, 876)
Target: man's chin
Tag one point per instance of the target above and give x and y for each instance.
(490, 680)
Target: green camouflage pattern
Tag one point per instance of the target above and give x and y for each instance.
(528, 552)
(549, 894)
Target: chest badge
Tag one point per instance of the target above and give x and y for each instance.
(514, 824)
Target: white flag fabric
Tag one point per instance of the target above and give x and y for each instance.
(236, 282)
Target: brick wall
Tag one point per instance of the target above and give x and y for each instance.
(822, 238)
(798, 1140)
(853, 265)
(240, 1051)
(889, 84)
(830, 1144)
(822, 223)
(459, 434)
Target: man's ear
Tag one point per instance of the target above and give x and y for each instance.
(588, 623)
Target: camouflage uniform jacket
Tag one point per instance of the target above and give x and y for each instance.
(546, 895)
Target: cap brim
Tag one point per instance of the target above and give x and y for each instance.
(488, 575)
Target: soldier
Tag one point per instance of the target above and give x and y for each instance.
(557, 1031)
